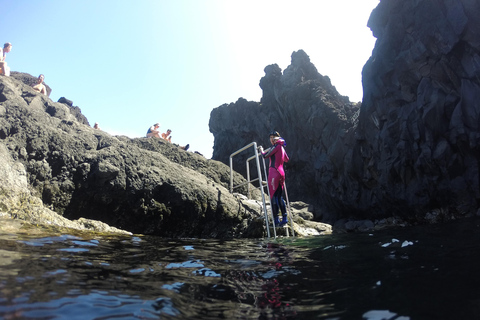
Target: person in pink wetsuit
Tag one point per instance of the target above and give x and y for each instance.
(276, 175)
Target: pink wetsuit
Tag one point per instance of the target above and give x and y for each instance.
(276, 176)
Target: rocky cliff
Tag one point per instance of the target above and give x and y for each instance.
(309, 113)
(410, 150)
(55, 169)
(140, 185)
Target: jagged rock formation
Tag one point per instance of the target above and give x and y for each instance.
(75, 111)
(419, 127)
(30, 80)
(414, 148)
(309, 113)
(53, 166)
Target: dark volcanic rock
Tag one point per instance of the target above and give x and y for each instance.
(66, 101)
(313, 118)
(414, 147)
(420, 118)
(76, 111)
(54, 167)
(140, 185)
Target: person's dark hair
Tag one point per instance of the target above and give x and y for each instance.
(6, 45)
(274, 133)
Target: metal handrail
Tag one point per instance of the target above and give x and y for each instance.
(286, 198)
(269, 197)
(288, 208)
(262, 185)
(254, 145)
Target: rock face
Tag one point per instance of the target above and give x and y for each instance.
(419, 127)
(75, 111)
(54, 169)
(17, 201)
(414, 145)
(141, 185)
(310, 114)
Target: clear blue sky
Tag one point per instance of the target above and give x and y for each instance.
(129, 64)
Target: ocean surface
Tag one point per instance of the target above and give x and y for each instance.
(422, 272)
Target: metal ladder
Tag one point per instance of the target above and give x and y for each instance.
(262, 184)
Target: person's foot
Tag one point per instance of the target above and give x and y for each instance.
(277, 221)
(284, 221)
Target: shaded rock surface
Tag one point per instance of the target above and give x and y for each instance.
(18, 202)
(419, 127)
(55, 169)
(411, 148)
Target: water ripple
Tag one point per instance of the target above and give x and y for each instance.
(85, 276)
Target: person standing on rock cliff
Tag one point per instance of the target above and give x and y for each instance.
(39, 86)
(276, 175)
(153, 132)
(7, 47)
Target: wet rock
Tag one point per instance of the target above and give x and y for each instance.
(360, 225)
(302, 209)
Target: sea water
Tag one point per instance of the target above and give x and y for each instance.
(422, 272)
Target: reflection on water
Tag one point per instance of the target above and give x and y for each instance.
(428, 272)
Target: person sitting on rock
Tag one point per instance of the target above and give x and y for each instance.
(153, 132)
(4, 69)
(95, 126)
(166, 135)
(40, 87)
